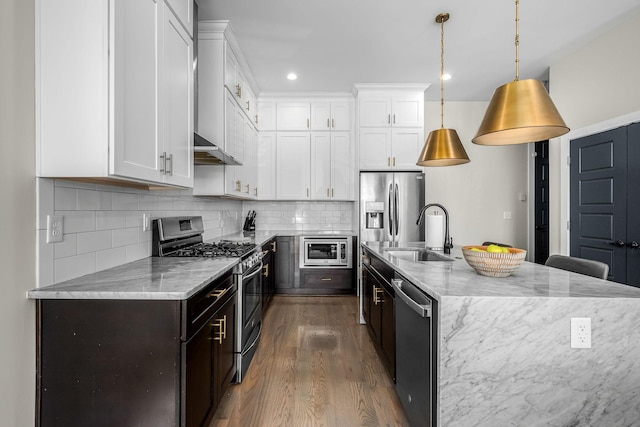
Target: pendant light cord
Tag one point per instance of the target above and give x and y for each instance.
(517, 40)
(442, 74)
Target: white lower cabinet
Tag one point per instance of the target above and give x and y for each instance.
(118, 105)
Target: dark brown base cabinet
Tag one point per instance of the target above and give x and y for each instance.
(377, 309)
(135, 362)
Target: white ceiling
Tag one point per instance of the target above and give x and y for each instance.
(332, 44)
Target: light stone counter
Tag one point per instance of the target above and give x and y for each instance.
(505, 357)
(151, 278)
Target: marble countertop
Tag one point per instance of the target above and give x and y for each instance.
(456, 278)
(158, 278)
(161, 278)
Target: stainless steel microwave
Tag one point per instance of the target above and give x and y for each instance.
(326, 252)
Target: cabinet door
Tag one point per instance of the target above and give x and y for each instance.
(199, 388)
(250, 155)
(375, 111)
(267, 165)
(341, 166)
(267, 116)
(177, 101)
(408, 111)
(406, 146)
(293, 151)
(388, 331)
(367, 295)
(224, 337)
(285, 263)
(375, 148)
(320, 116)
(230, 70)
(375, 308)
(320, 165)
(137, 108)
(293, 115)
(183, 9)
(340, 116)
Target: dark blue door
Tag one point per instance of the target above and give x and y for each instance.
(605, 201)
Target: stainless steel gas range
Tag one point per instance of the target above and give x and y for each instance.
(182, 237)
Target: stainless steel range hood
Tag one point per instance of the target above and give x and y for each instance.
(207, 153)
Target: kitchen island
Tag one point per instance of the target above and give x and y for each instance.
(504, 356)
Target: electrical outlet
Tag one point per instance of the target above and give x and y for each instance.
(146, 222)
(506, 215)
(55, 230)
(580, 332)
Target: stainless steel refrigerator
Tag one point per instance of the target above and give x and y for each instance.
(390, 203)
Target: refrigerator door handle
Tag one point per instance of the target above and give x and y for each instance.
(396, 219)
(391, 211)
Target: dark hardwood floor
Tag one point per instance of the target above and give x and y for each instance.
(315, 366)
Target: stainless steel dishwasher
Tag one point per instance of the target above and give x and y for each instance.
(415, 352)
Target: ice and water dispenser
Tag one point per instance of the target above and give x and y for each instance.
(374, 213)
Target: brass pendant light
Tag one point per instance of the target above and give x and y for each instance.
(520, 111)
(442, 147)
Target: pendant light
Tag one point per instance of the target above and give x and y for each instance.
(520, 111)
(442, 147)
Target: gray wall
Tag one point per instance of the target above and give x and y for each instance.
(17, 214)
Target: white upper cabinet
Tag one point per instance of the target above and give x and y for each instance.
(293, 116)
(330, 116)
(391, 106)
(266, 116)
(266, 166)
(183, 10)
(118, 105)
(391, 126)
(293, 150)
(227, 113)
(330, 165)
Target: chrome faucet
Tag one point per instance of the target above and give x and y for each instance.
(448, 241)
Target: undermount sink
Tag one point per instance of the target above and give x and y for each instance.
(415, 254)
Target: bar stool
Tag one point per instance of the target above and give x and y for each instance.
(579, 265)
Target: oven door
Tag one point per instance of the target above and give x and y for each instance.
(249, 323)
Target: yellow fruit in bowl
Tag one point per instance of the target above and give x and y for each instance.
(477, 250)
(494, 248)
(506, 250)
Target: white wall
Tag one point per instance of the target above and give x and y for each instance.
(17, 214)
(598, 82)
(477, 194)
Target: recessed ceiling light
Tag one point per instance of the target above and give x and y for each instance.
(292, 76)
(446, 76)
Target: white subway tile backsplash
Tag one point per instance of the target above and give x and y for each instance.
(74, 266)
(66, 248)
(110, 258)
(125, 202)
(45, 259)
(78, 221)
(137, 251)
(64, 199)
(111, 220)
(124, 237)
(103, 224)
(93, 241)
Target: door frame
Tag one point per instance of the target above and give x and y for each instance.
(565, 182)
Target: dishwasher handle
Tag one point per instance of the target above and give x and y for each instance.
(424, 310)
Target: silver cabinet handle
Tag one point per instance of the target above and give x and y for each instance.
(239, 90)
(248, 108)
(389, 118)
(307, 123)
(163, 164)
(328, 123)
(394, 119)
(170, 162)
(333, 123)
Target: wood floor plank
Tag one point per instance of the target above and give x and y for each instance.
(315, 366)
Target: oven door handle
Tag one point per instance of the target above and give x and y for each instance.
(258, 270)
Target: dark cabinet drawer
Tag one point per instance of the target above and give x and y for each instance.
(326, 278)
(207, 301)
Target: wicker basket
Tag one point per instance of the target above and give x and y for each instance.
(494, 264)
